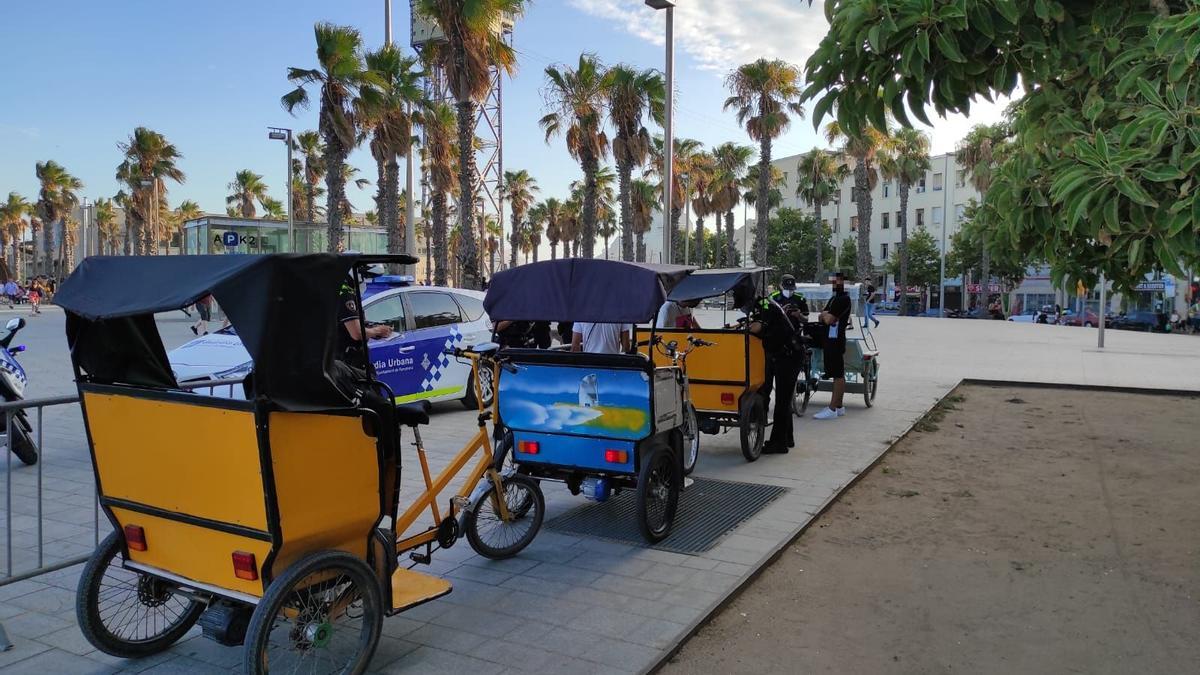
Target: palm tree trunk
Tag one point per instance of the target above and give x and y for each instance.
(535, 251)
(762, 207)
(335, 185)
(310, 208)
(48, 243)
(862, 185)
(606, 245)
(820, 241)
(641, 247)
(985, 277)
(624, 170)
(591, 166)
(391, 207)
(676, 239)
(466, 189)
(904, 248)
(439, 235)
(429, 254)
(516, 240)
(699, 246)
(554, 250)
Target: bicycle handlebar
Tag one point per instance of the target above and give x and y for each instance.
(459, 352)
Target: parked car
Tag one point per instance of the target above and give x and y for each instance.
(1027, 316)
(1090, 319)
(1139, 320)
(425, 321)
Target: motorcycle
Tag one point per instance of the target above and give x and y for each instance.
(12, 388)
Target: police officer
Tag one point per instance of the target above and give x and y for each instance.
(784, 314)
(351, 340)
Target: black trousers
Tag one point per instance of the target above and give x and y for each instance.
(782, 373)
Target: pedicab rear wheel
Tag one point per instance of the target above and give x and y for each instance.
(804, 391)
(493, 537)
(125, 613)
(752, 422)
(691, 446)
(870, 384)
(323, 614)
(659, 483)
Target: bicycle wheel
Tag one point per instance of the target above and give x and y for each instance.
(127, 614)
(691, 439)
(322, 615)
(659, 483)
(804, 391)
(752, 423)
(490, 534)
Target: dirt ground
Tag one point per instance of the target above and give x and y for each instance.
(1022, 530)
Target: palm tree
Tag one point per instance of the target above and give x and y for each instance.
(149, 161)
(535, 228)
(575, 98)
(387, 111)
(553, 210)
(730, 162)
(340, 74)
(473, 48)
(106, 225)
(631, 94)
(644, 202)
(439, 167)
(273, 209)
(976, 152)
(906, 162)
(56, 198)
(519, 189)
(12, 221)
(685, 150)
(312, 149)
(66, 250)
(247, 188)
(701, 181)
(571, 226)
(187, 210)
(494, 232)
(866, 148)
(764, 95)
(125, 203)
(819, 177)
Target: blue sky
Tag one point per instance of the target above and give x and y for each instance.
(80, 75)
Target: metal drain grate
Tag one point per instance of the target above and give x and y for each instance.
(707, 511)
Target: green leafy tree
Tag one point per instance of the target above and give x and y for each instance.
(312, 149)
(792, 238)
(847, 261)
(965, 254)
(1105, 138)
(12, 222)
(867, 146)
(731, 164)
(632, 94)
(149, 161)
(924, 262)
(981, 152)
(644, 200)
(246, 188)
(685, 150)
(520, 190)
(819, 176)
(56, 198)
(906, 163)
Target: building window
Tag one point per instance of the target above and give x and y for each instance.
(921, 185)
(937, 215)
(853, 195)
(960, 179)
(854, 223)
(887, 189)
(959, 209)
(785, 177)
(920, 217)
(883, 221)
(883, 251)
(835, 225)
(937, 182)
(897, 219)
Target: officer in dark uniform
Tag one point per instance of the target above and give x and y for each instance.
(784, 314)
(351, 342)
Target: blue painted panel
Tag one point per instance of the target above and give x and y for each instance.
(582, 401)
(573, 452)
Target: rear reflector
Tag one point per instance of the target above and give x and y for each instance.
(244, 566)
(616, 456)
(529, 447)
(727, 398)
(135, 538)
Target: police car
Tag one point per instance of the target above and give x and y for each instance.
(425, 321)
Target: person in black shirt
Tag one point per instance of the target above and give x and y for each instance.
(782, 323)
(836, 317)
(351, 343)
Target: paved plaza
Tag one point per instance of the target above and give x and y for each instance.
(567, 603)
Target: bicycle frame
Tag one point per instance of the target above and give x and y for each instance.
(481, 442)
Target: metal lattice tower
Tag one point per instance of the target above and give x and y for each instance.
(489, 127)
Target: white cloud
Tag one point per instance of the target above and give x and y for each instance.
(723, 34)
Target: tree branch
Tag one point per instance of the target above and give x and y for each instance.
(1160, 7)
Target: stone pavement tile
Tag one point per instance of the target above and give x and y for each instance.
(211, 652)
(734, 555)
(56, 662)
(49, 600)
(449, 639)
(710, 580)
(520, 657)
(389, 651)
(34, 625)
(672, 558)
(606, 546)
(636, 588)
(182, 665)
(511, 565)
(474, 594)
(537, 586)
(656, 633)
(431, 661)
(691, 597)
(529, 606)
(669, 574)
(19, 588)
(751, 543)
(546, 552)
(611, 623)
(735, 569)
(399, 626)
(567, 574)
(657, 609)
(483, 575)
(475, 620)
(427, 611)
(22, 649)
(624, 564)
(620, 654)
(70, 639)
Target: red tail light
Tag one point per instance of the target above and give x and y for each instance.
(616, 456)
(727, 398)
(529, 447)
(135, 538)
(244, 566)
(866, 357)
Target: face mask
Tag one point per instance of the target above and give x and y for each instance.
(787, 293)
(839, 288)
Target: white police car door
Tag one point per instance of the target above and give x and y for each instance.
(393, 358)
(436, 320)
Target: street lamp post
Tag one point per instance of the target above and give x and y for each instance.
(285, 135)
(668, 136)
(945, 216)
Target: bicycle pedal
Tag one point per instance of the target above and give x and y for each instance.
(460, 503)
(423, 558)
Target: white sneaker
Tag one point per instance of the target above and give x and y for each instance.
(841, 412)
(826, 414)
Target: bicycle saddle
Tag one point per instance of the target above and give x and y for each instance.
(412, 414)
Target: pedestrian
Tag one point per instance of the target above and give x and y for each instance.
(601, 338)
(677, 315)
(11, 291)
(204, 309)
(872, 299)
(782, 326)
(35, 297)
(836, 316)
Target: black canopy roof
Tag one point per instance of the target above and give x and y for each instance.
(284, 308)
(746, 283)
(579, 289)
